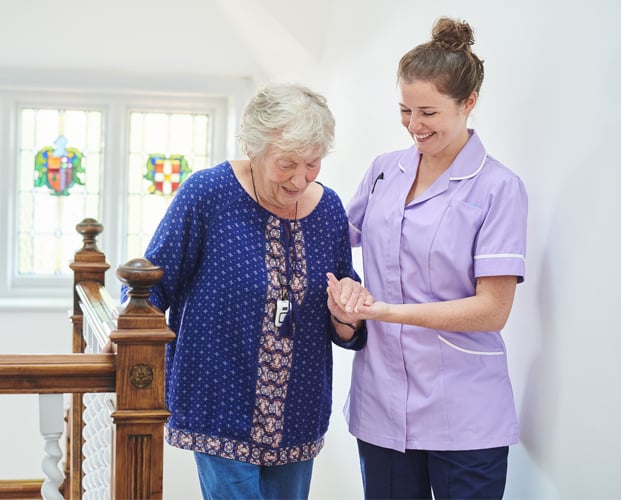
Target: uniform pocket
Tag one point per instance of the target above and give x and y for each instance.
(477, 349)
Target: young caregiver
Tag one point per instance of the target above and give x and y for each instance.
(442, 227)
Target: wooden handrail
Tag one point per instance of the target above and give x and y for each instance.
(26, 489)
(57, 373)
(98, 308)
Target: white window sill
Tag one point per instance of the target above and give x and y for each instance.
(23, 304)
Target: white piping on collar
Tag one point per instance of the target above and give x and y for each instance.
(402, 168)
(473, 173)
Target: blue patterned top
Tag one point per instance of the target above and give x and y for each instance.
(237, 385)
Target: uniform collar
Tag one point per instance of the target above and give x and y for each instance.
(467, 163)
(470, 159)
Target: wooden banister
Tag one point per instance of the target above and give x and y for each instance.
(26, 489)
(98, 308)
(135, 373)
(56, 373)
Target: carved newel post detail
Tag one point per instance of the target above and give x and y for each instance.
(89, 263)
(140, 338)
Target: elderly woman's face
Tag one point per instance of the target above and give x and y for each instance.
(282, 177)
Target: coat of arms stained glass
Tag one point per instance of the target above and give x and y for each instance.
(166, 173)
(59, 167)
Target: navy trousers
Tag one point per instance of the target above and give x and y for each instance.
(472, 474)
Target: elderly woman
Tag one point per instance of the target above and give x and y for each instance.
(245, 247)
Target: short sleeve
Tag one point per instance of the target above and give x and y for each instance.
(500, 248)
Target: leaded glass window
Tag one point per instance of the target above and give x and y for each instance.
(164, 148)
(60, 154)
(75, 145)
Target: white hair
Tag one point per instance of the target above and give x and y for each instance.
(290, 117)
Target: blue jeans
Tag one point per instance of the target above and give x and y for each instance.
(224, 479)
(471, 474)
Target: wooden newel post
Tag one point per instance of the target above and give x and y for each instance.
(141, 338)
(89, 264)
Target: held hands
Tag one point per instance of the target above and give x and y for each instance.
(349, 301)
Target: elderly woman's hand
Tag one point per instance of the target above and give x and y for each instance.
(349, 301)
(346, 298)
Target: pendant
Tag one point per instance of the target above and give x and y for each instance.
(282, 309)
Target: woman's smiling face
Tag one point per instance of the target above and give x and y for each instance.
(434, 120)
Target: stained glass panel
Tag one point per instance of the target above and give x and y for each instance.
(51, 203)
(166, 173)
(160, 143)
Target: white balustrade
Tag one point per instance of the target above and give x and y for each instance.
(97, 431)
(51, 424)
(97, 434)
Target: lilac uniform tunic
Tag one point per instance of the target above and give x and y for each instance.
(419, 388)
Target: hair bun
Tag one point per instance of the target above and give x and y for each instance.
(452, 35)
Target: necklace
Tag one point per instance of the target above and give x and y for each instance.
(256, 197)
(286, 311)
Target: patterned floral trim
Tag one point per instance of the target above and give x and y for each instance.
(276, 352)
(243, 452)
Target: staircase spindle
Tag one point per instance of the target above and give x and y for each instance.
(51, 424)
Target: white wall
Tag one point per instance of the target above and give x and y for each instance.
(549, 109)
